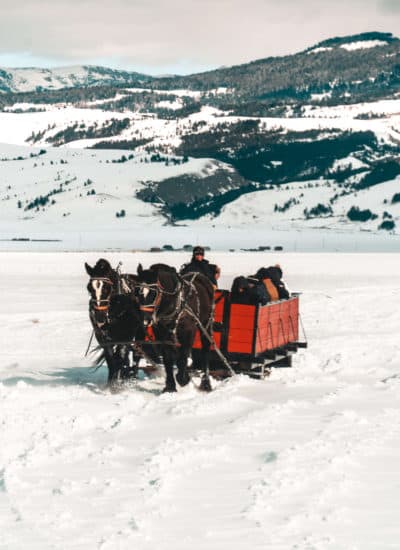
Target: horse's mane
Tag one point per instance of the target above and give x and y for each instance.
(162, 267)
(103, 266)
(165, 274)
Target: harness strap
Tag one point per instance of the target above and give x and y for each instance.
(211, 340)
(105, 279)
(90, 343)
(160, 290)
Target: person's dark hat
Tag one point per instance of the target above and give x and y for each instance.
(198, 250)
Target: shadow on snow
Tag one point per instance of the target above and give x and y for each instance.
(92, 378)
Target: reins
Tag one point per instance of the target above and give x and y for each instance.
(210, 338)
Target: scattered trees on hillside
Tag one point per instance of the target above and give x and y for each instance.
(318, 211)
(396, 198)
(357, 215)
(78, 131)
(388, 225)
(291, 202)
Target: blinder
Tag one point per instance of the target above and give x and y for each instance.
(149, 296)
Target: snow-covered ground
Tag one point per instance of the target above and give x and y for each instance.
(307, 459)
(17, 128)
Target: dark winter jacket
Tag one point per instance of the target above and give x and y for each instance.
(274, 273)
(246, 290)
(203, 266)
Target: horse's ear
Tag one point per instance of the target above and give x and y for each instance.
(139, 269)
(89, 270)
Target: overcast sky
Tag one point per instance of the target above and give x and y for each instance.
(178, 36)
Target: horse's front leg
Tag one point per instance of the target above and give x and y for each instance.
(205, 384)
(183, 376)
(136, 357)
(185, 338)
(129, 371)
(169, 356)
(113, 367)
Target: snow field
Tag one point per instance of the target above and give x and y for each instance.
(307, 459)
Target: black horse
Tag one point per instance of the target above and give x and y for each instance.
(116, 319)
(176, 306)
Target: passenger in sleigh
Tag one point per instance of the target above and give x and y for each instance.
(248, 290)
(272, 279)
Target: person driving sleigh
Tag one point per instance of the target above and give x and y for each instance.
(199, 264)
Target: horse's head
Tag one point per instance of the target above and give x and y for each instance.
(157, 290)
(149, 292)
(122, 305)
(124, 317)
(100, 287)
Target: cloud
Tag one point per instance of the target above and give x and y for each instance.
(156, 36)
(391, 6)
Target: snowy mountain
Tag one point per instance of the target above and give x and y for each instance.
(343, 69)
(33, 79)
(167, 157)
(362, 65)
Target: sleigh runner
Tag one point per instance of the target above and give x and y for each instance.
(253, 338)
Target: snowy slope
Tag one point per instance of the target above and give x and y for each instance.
(16, 128)
(82, 220)
(258, 207)
(88, 188)
(307, 459)
(32, 79)
(116, 183)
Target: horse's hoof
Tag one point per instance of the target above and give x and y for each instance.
(169, 389)
(205, 384)
(183, 378)
(129, 374)
(114, 387)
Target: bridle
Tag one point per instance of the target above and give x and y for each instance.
(184, 288)
(102, 305)
(157, 289)
(154, 306)
(120, 286)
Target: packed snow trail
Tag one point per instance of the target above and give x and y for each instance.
(307, 459)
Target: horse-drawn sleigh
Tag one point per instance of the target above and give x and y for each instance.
(163, 317)
(254, 338)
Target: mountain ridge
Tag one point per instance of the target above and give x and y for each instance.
(93, 75)
(31, 79)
